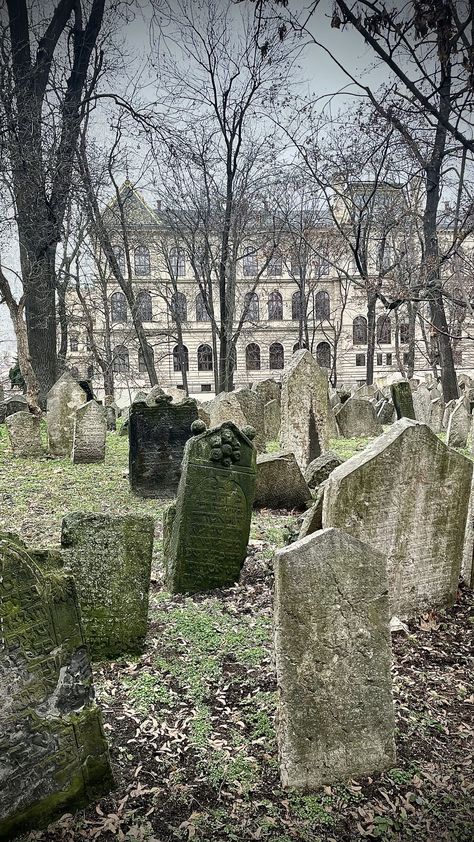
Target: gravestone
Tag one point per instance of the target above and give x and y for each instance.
(272, 418)
(110, 559)
(448, 409)
(467, 567)
(407, 495)
(333, 656)
(206, 534)
(436, 414)
(154, 393)
(267, 390)
(313, 519)
(385, 411)
(53, 752)
(24, 434)
(111, 418)
(402, 399)
(280, 483)
(458, 425)
(13, 404)
(204, 412)
(244, 408)
(62, 401)
(139, 397)
(307, 420)
(319, 469)
(422, 404)
(90, 430)
(157, 437)
(357, 417)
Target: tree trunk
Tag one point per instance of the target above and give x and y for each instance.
(371, 302)
(63, 328)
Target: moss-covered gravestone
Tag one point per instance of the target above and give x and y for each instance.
(24, 434)
(157, 436)
(403, 399)
(110, 559)
(53, 752)
(332, 652)
(206, 533)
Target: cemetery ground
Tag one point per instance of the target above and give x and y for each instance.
(190, 723)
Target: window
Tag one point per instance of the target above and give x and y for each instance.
(322, 306)
(201, 312)
(177, 262)
(204, 354)
(73, 343)
(277, 355)
(141, 359)
(275, 307)
(404, 333)
(323, 354)
(384, 330)
(206, 387)
(296, 306)
(389, 359)
(252, 357)
(90, 372)
(249, 265)
(295, 265)
(121, 362)
(379, 359)
(297, 346)
(180, 359)
(118, 308)
(251, 307)
(179, 307)
(359, 331)
(275, 265)
(360, 359)
(142, 261)
(144, 307)
(120, 257)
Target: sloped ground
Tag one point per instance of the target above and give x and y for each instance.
(191, 723)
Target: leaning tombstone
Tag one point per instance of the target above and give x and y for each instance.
(458, 425)
(53, 752)
(157, 437)
(357, 417)
(62, 401)
(307, 420)
(24, 434)
(319, 469)
(333, 657)
(90, 429)
(272, 419)
(402, 399)
(313, 519)
(110, 559)
(207, 531)
(243, 407)
(385, 411)
(407, 495)
(280, 483)
(267, 390)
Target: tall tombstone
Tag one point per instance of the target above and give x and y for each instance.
(272, 419)
(53, 752)
(110, 559)
(307, 420)
(333, 656)
(422, 404)
(402, 399)
(436, 414)
(458, 425)
(267, 390)
(90, 429)
(243, 407)
(62, 401)
(406, 495)
(357, 417)
(24, 434)
(157, 436)
(206, 533)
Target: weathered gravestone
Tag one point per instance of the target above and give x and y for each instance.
(402, 399)
(357, 417)
(307, 420)
(110, 559)
(16, 403)
(244, 408)
(467, 567)
(90, 428)
(24, 434)
(458, 425)
(157, 437)
(53, 752)
(280, 483)
(62, 401)
(422, 404)
(319, 469)
(448, 409)
(272, 418)
(267, 390)
(436, 414)
(333, 652)
(313, 519)
(385, 411)
(407, 496)
(206, 533)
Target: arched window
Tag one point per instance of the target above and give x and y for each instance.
(121, 363)
(277, 355)
(297, 346)
(142, 261)
(120, 257)
(118, 308)
(404, 328)
(179, 307)
(323, 354)
(359, 331)
(204, 355)
(73, 343)
(141, 359)
(252, 357)
(249, 265)
(275, 307)
(275, 265)
(322, 305)
(384, 330)
(251, 307)
(144, 306)
(296, 306)
(178, 262)
(201, 312)
(180, 360)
